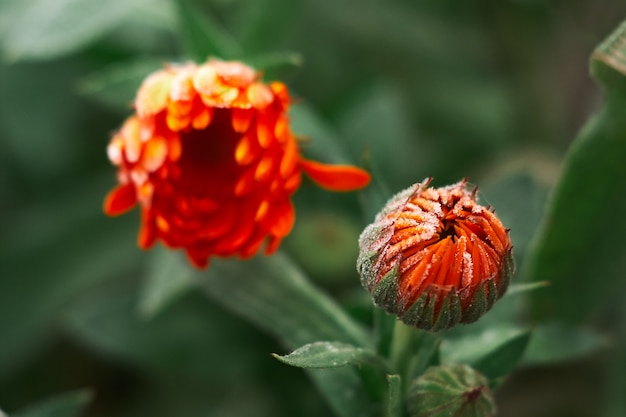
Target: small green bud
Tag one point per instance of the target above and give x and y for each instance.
(450, 391)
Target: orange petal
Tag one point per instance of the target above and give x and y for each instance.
(241, 119)
(147, 234)
(259, 95)
(197, 259)
(247, 150)
(120, 200)
(335, 177)
(154, 153)
(290, 159)
(153, 94)
(283, 218)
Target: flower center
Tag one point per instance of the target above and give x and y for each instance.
(447, 229)
(207, 162)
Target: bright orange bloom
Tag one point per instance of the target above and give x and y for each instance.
(435, 257)
(210, 158)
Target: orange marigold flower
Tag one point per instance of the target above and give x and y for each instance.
(210, 158)
(435, 257)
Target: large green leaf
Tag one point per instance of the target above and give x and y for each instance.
(163, 283)
(329, 355)
(494, 351)
(554, 342)
(65, 405)
(580, 248)
(43, 29)
(273, 294)
(39, 275)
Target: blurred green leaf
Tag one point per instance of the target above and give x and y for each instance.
(47, 149)
(116, 84)
(395, 401)
(261, 25)
(519, 200)
(43, 29)
(275, 65)
(379, 123)
(163, 284)
(321, 142)
(503, 359)
(516, 289)
(64, 405)
(273, 294)
(325, 244)
(494, 351)
(179, 340)
(555, 342)
(580, 250)
(329, 355)
(32, 293)
(202, 35)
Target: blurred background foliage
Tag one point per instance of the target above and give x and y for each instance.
(491, 90)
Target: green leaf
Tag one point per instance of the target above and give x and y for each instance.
(276, 65)
(33, 293)
(494, 352)
(116, 85)
(322, 143)
(503, 359)
(42, 29)
(202, 35)
(580, 248)
(555, 342)
(65, 405)
(329, 355)
(515, 289)
(273, 294)
(395, 400)
(179, 341)
(163, 282)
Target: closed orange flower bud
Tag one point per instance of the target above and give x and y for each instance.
(211, 159)
(435, 257)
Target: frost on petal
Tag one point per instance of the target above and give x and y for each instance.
(259, 95)
(335, 177)
(204, 81)
(234, 73)
(432, 258)
(153, 94)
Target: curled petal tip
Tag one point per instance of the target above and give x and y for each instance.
(120, 200)
(336, 177)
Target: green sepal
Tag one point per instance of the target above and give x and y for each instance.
(483, 299)
(385, 293)
(450, 390)
(416, 315)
